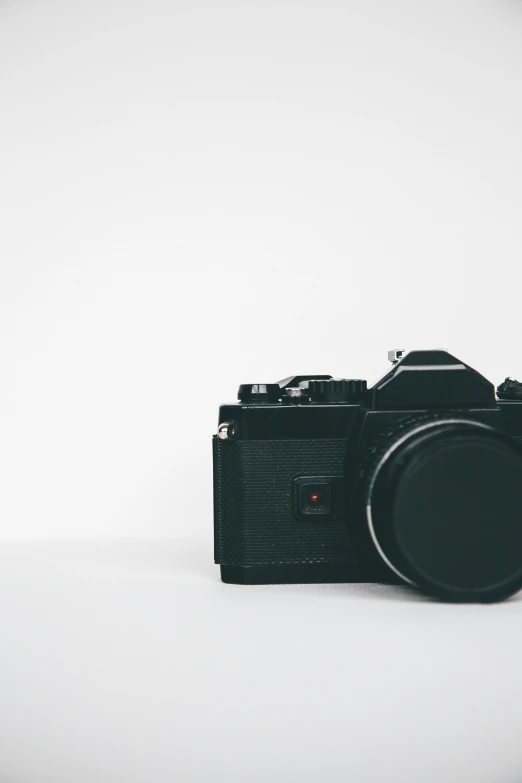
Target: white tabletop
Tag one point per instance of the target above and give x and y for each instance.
(132, 662)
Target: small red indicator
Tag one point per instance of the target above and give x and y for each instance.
(314, 498)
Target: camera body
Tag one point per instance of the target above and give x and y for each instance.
(417, 479)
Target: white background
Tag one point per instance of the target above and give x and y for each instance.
(195, 195)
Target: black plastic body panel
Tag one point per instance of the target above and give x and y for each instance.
(313, 573)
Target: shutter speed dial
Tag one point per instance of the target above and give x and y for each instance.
(336, 390)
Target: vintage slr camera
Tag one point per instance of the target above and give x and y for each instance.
(416, 480)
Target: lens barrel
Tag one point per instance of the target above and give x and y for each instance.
(444, 510)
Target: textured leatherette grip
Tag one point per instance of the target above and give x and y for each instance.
(255, 523)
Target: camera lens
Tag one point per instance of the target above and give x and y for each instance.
(444, 510)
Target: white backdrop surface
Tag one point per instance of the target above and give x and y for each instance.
(195, 195)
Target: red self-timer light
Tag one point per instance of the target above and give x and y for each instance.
(314, 498)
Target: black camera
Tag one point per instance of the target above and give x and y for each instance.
(416, 480)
